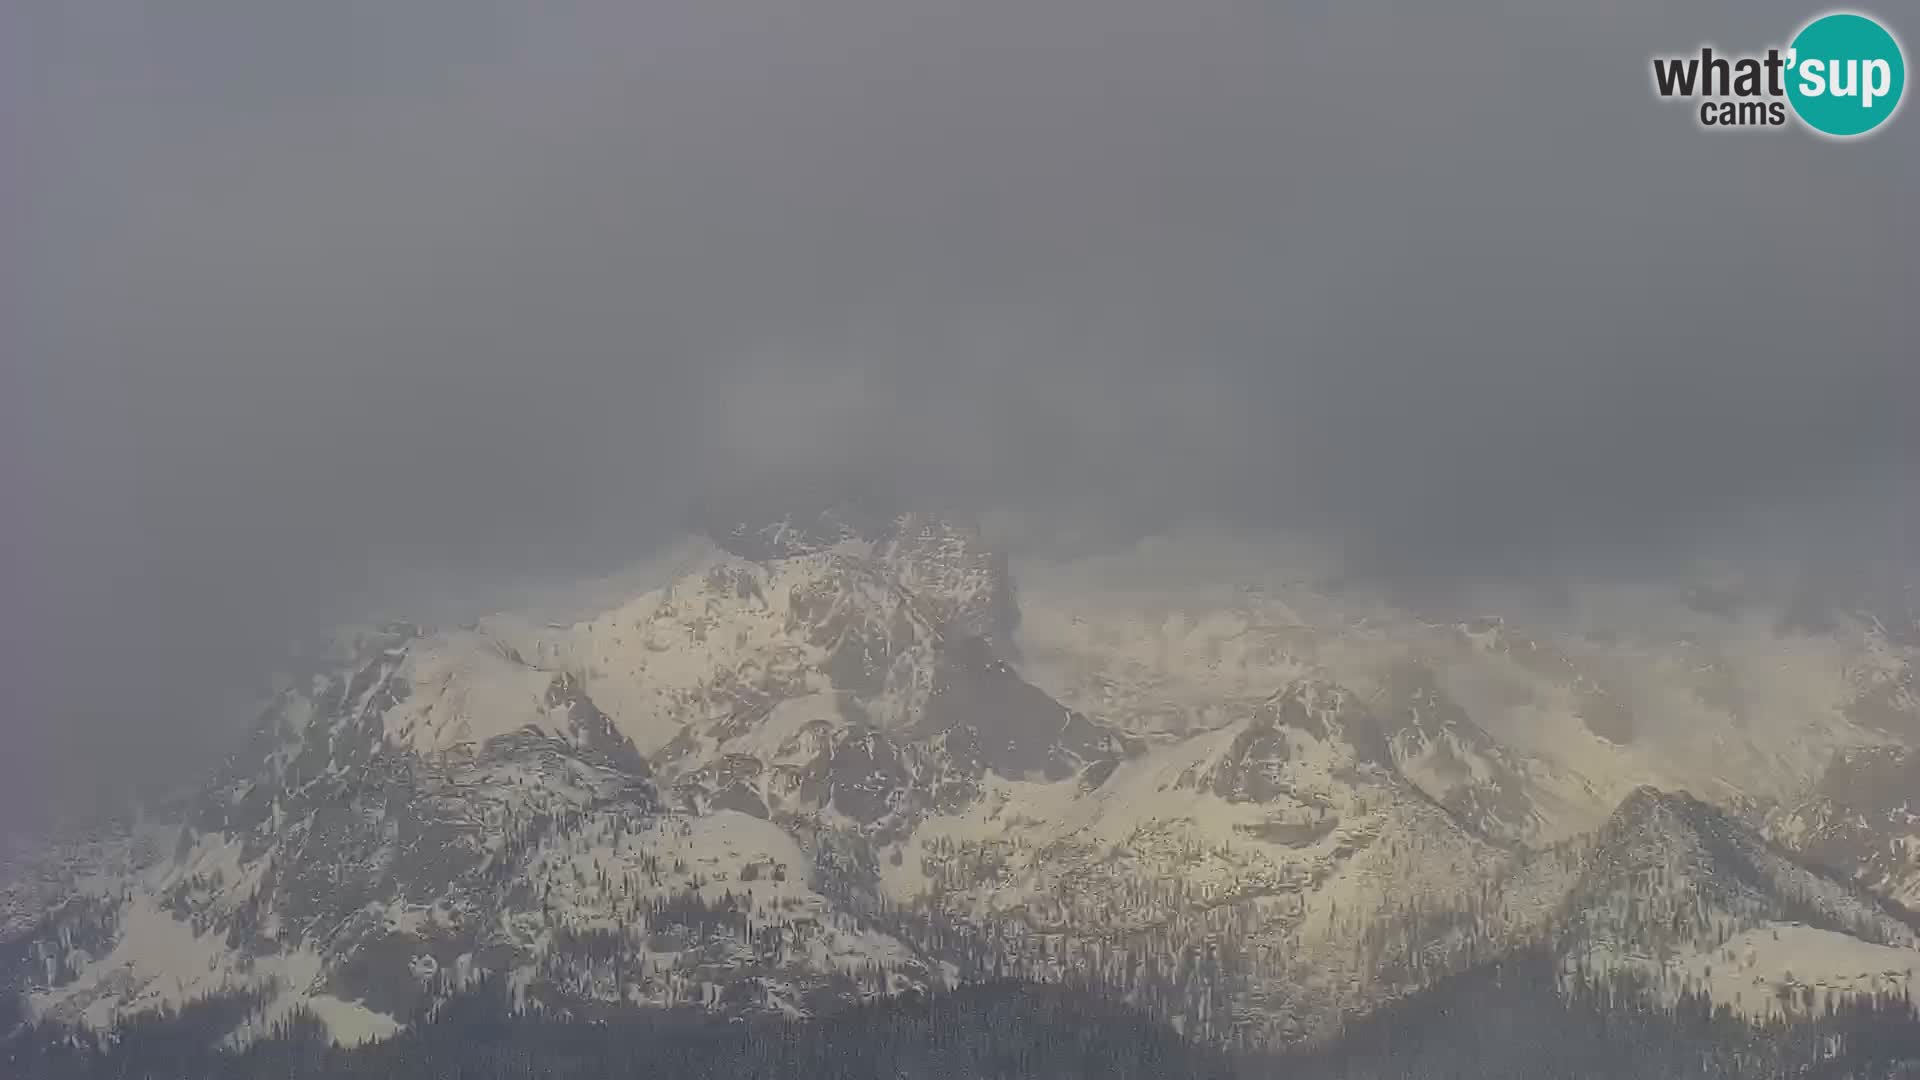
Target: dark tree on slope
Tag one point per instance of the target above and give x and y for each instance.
(1512, 1019)
(1004, 1030)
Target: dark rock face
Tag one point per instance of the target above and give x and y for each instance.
(864, 777)
(1015, 727)
(968, 580)
(732, 783)
(1255, 766)
(861, 658)
(394, 973)
(741, 798)
(989, 719)
(1331, 713)
(591, 729)
(1437, 745)
(1863, 820)
(1098, 773)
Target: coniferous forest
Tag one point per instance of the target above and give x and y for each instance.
(1504, 1020)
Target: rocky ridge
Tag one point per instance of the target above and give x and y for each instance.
(832, 758)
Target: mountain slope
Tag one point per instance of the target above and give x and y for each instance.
(830, 759)
(1864, 817)
(1674, 888)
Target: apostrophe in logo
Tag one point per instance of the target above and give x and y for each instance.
(1847, 74)
(1842, 75)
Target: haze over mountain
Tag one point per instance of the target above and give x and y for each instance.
(842, 755)
(696, 536)
(316, 312)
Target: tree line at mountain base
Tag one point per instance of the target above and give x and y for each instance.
(1510, 1019)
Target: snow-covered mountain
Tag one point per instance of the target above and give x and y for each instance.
(831, 756)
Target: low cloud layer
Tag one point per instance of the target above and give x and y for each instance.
(313, 307)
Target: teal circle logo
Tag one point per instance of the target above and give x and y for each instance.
(1845, 74)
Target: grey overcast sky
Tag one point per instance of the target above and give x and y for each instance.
(306, 304)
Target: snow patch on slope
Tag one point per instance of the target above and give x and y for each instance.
(467, 689)
(1777, 970)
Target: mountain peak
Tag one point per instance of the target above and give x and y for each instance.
(1683, 871)
(780, 517)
